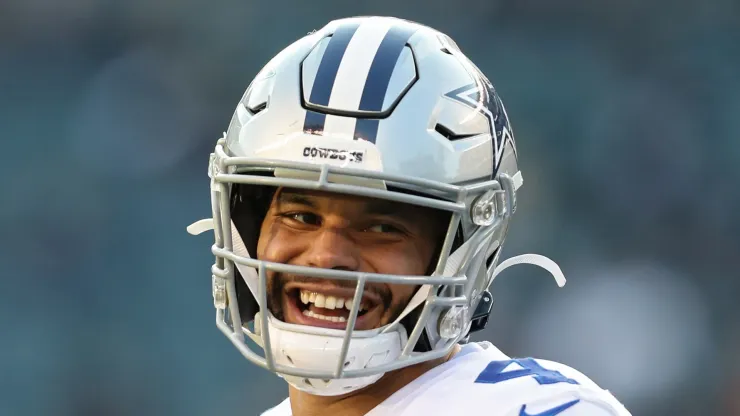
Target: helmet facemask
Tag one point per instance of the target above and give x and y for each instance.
(446, 296)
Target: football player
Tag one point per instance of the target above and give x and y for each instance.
(360, 198)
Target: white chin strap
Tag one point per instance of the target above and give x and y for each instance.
(535, 259)
(318, 349)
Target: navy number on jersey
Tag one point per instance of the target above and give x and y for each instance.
(496, 372)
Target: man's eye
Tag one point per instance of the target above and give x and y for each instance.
(383, 228)
(303, 218)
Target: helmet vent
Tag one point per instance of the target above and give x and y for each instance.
(444, 131)
(258, 108)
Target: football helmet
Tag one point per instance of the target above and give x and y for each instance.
(376, 107)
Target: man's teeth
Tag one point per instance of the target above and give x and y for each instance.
(311, 314)
(328, 302)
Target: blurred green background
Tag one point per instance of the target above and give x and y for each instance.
(626, 117)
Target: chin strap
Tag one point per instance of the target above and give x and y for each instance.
(200, 226)
(483, 310)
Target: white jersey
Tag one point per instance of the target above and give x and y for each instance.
(481, 379)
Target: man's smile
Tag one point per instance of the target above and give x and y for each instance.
(328, 306)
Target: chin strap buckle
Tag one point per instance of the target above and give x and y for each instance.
(482, 312)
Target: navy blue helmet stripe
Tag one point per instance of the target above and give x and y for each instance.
(329, 66)
(314, 122)
(327, 73)
(366, 129)
(379, 76)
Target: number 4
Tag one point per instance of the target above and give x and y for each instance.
(494, 372)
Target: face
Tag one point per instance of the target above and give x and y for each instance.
(343, 232)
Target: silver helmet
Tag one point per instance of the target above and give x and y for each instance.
(376, 107)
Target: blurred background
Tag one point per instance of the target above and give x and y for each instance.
(627, 120)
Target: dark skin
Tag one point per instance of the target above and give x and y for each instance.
(344, 232)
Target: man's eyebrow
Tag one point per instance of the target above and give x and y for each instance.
(389, 208)
(378, 207)
(289, 197)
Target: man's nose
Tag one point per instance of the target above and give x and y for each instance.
(333, 249)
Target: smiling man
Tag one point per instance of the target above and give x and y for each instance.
(361, 197)
(343, 232)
